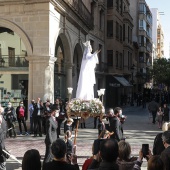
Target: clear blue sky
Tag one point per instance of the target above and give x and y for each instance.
(163, 6)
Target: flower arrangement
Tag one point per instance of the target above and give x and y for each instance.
(85, 108)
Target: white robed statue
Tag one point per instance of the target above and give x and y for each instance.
(85, 89)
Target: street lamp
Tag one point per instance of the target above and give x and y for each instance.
(132, 71)
(70, 89)
(101, 93)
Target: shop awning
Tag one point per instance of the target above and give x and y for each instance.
(122, 81)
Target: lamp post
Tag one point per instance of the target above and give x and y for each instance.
(132, 71)
(101, 92)
(70, 89)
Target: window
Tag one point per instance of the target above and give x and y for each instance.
(121, 6)
(124, 32)
(117, 30)
(141, 57)
(109, 3)
(101, 20)
(110, 28)
(11, 54)
(117, 5)
(117, 59)
(142, 8)
(130, 38)
(92, 8)
(142, 41)
(129, 60)
(120, 61)
(110, 58)
(120, 33)
(158, 31)
(142, 25)
(158, 41)
(128, 34)
(123, 64)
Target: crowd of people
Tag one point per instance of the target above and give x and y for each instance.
(109, 151)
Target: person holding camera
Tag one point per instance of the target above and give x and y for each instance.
(10, 117)
(125, 160)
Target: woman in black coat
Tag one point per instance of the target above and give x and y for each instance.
(165, 113)
(51, 134)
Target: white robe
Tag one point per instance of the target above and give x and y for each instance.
(85, 89)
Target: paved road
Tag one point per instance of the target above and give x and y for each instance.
(138, 129)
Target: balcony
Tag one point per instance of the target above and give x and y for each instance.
(82, 12)
(14, 61)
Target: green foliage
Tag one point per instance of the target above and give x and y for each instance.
(161, 71)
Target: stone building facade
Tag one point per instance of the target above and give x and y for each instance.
(142, 34)
(119, 47)
(52, 32)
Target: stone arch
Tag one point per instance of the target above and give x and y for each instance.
(63, 67)
(77, 58)
(19, 32)
(65, 39)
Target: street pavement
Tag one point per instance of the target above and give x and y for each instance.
(138, 130)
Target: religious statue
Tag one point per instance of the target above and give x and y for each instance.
(85, 89)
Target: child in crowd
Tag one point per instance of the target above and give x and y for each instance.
(159, 117)
(68, 125)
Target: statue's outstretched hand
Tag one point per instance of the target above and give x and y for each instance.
(97, 51)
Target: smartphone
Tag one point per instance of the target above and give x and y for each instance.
(145, 149)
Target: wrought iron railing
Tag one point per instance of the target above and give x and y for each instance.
(14, 61)
(81, 10)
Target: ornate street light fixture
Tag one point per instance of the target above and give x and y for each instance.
(70, 89)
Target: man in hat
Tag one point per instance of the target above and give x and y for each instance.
(165, 155)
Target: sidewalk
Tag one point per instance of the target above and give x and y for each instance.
(138, 129)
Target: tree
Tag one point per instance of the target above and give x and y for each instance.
(161, 71)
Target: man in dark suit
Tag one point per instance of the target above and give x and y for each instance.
(115, 125)
(38, 109)
(51, 134)
(153, 108)
(165, 155)
(58, 149)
